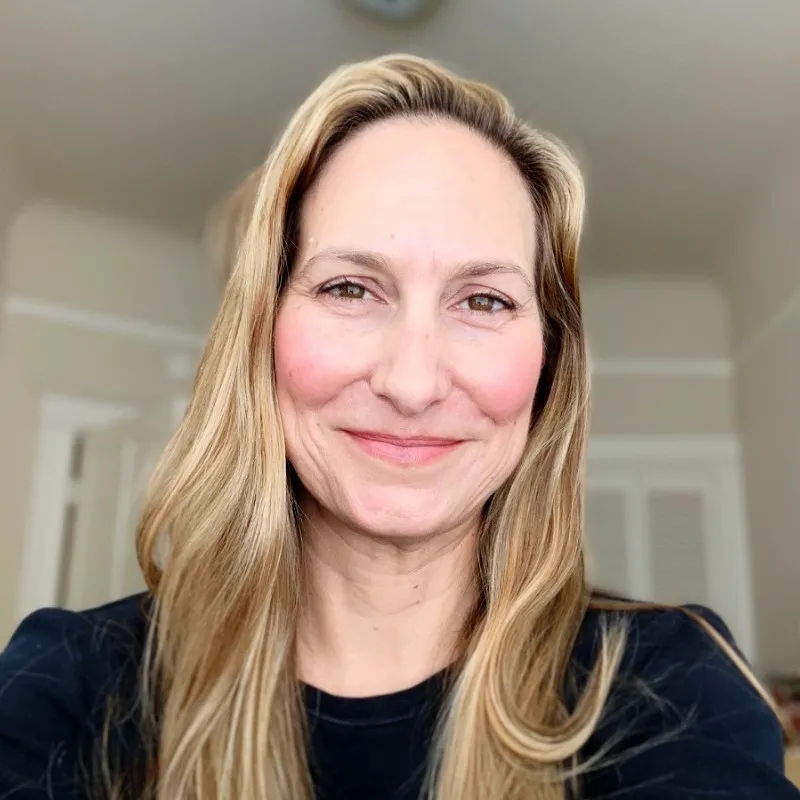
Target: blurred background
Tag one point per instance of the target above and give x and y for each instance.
(122, 124)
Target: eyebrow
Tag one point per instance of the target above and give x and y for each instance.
(480, 268)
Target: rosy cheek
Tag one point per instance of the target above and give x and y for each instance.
(311, 365)
(503, 382)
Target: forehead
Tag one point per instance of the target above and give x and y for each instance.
(421, 190)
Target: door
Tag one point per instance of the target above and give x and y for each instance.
(98, 550)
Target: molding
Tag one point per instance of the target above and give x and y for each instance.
(180, 367)
(656, 448)
(737, 559)
(79, 413)
(638, 542)
(123, 516)
(49, 491)
(661, 367)
(96, 322)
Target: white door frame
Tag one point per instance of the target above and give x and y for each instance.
(61, 419)
(125, 505)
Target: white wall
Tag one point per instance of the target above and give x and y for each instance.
(109, 265)
(17, 187)
(763, 264)
(98, 307)
(661, 348)
(95, 307)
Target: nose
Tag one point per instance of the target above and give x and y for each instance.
(411, 374)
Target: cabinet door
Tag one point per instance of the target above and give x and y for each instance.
(608, 555)
(609, 560)
(680, 522)
(670, 530)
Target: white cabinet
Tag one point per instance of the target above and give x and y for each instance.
(665, 522)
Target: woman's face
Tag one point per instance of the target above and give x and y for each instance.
(408, 344)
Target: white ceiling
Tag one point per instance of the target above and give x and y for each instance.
(679, 109)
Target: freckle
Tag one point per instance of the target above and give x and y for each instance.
(416, 586)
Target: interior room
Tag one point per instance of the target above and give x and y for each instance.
(123, 126)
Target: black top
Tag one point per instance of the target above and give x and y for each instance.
(682, 721)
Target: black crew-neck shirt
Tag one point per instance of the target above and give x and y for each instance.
(372, 747)
(682, 722)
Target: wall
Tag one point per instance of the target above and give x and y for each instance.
(17, 187)
(99, 307)
(763, 268)
(661, 350)
(95, 307)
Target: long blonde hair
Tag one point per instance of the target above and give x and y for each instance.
(219, 673)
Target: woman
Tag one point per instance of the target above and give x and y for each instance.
(372, 582)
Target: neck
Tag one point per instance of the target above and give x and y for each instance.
(381, 616)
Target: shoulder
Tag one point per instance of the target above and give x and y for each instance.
(57, 641)
(657, 640)
(687, 651)
(65, 665)
(682, 716)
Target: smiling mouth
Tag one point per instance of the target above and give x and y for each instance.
(405, 451)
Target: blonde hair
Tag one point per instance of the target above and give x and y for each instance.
(219, 672)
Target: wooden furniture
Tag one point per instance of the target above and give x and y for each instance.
(793, 765)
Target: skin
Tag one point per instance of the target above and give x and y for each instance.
(410, 312)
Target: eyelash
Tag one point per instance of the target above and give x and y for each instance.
(341, 284)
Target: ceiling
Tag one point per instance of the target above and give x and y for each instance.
(679, 109)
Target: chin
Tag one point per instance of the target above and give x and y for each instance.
(398, 516)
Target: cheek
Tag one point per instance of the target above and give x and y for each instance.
(503, 382)
(311, 366)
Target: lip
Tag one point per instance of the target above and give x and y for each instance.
(408, 451)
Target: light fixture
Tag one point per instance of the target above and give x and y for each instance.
(393, 11)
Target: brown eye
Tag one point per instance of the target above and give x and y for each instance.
(347, 291)
(486, 303)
